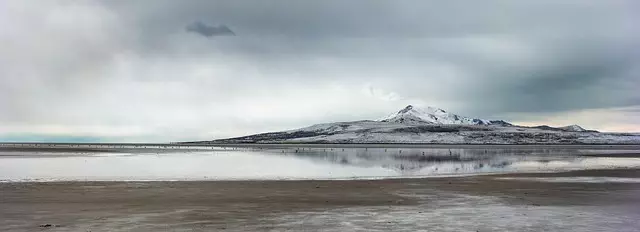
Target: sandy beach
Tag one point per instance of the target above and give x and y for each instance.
(477, 203)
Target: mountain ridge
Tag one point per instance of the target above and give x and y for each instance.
(434, 126)
(433, 115)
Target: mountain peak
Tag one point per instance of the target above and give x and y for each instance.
(574, 128)
(430, 115)
(406, 109)
(429, 109)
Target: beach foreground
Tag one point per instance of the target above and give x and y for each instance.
(589, 200)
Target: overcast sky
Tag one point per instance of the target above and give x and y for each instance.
(166, 70)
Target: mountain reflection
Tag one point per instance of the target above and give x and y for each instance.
(436, 161)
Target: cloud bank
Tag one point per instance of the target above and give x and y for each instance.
(150, 70)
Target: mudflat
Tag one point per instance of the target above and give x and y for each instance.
(593, 200)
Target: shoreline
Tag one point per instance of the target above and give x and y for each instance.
(97, 146)
(614, 172)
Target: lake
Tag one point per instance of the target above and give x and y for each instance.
(158, 163)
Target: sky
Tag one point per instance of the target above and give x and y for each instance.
(165, 70)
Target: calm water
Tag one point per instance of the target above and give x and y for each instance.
(296, 163)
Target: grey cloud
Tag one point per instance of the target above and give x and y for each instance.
(484, 59)
(208, 31)
(566, 74)
(415, 18)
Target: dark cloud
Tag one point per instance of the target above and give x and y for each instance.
(208, 31)
(563, 74)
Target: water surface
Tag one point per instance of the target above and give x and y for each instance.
(253, 163)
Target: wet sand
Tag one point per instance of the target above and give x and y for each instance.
(475, 203)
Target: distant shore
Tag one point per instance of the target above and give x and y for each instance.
(194, 145)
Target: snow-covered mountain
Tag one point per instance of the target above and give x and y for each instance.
(432, 115)
(434, 125)
(574, 128)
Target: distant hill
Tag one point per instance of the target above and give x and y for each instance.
(433, 125)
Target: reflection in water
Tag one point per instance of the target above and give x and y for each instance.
(299, 163)
(419, 162)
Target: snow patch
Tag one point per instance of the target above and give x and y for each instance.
(431, 115)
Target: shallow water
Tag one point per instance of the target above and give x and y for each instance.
(296, 163)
